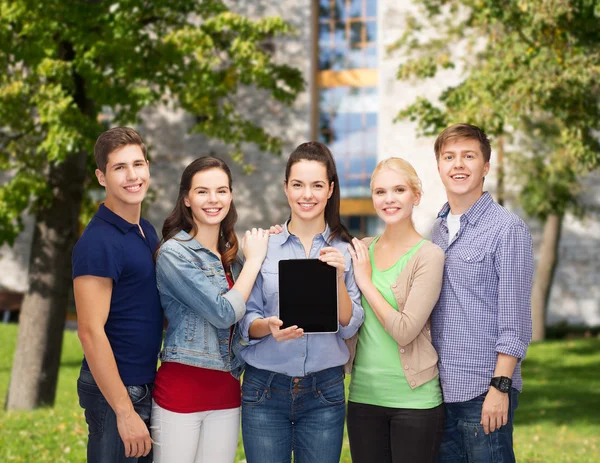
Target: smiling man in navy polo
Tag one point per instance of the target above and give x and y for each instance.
(118, 308)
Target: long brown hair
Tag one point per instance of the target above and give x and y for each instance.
(182, 219)
(315, 151)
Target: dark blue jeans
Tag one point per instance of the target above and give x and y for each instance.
(464, 439)
(283, 414)
(104, 443)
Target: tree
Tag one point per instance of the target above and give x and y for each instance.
(531, 71)
(62, 65)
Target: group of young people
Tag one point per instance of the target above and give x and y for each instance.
(432, 332)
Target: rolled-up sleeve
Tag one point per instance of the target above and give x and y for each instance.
(358, 313)
(254, 311)
(514, 264)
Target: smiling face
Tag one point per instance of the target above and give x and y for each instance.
(209, 197)
(393, 197)
(126, 178)
(462, 168)
(308, 190)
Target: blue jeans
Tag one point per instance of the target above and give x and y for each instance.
(283, 414)
(104, 443)
(464, 439)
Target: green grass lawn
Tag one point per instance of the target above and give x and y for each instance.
(558, 419)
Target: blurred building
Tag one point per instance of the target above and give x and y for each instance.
(350, 103)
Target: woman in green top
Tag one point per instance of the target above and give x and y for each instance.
(395, 409)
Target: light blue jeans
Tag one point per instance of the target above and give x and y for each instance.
(464, 440)
(283, 414)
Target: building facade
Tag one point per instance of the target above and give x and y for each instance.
(350, 103)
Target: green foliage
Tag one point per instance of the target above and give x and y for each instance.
(525, 64)
(556, 420)
(64, 64)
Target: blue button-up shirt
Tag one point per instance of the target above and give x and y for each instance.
(485, 304)
(311, 352)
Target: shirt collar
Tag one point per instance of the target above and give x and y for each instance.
(286, 233)
(474, 212)
(186, 240)
(109, 216)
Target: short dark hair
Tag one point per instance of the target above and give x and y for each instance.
(462, 132)
(114, 139)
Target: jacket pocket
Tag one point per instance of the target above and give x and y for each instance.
(191, 325)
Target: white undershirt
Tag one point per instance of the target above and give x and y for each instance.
(453, 226)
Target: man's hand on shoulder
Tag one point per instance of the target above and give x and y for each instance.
(494, 412)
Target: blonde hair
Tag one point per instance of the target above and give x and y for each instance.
(404, 167)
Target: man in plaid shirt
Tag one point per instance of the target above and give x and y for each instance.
(481, 325)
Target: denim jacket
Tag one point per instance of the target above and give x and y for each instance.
(198, 304)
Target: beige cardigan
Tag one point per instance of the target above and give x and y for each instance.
(417, 290)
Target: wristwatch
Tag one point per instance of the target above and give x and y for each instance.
(502, 383)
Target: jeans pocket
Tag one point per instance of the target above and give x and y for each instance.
(478, 444)
(253, 393)
(332, 393)
(137, 393)
(94, 405)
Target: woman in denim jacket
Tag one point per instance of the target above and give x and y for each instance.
(293, 391)
(203, 290)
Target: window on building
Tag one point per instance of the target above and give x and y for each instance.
(348, 98)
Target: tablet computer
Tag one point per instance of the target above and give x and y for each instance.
(308, 295)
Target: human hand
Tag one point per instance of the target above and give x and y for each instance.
(494, 412)
(361, 262)
(254, 244)
(332, 256)
(286, 334)
(134, 434)
(275, 229)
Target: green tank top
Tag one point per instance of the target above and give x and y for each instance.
(377, 375)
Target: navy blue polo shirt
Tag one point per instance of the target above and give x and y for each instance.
(114, 248)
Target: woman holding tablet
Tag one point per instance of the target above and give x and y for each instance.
(203, 289)
(395, 402)
(293, 391)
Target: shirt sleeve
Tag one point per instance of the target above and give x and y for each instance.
(182, 280)
(514, 265)
(254, 310)
(100, 258)
(404, 326)
(358, 313)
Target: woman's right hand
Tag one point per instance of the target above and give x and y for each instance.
(361, 262)
(254, 244)
(286, 334)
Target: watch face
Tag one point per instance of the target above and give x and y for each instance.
(505, 384)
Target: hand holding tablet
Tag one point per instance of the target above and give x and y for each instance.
(308, 295)
(283, 334)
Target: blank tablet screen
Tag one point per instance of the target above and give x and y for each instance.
(308, 295)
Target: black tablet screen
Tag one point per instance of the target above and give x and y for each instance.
(308, 295)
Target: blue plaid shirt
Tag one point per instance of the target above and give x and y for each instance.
(485, 304)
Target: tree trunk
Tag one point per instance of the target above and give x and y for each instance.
(545, 274)
(41, 321)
